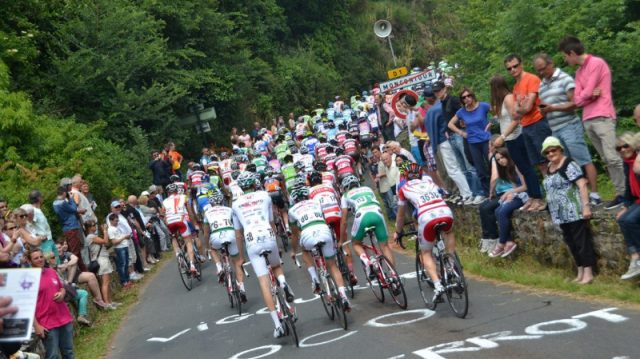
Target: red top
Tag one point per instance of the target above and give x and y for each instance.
(49, 313)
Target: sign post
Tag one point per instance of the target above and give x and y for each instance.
(407, 81)
(400, 71)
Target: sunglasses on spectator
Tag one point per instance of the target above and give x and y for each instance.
(22, 216)
(551, 150)
(466, 96)
(626, 145)
(509, 68)
(10, 228)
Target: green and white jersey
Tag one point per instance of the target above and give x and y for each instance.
(289, 174)
(361, 199)
(261, 164)
(281, 150)
(306, 214)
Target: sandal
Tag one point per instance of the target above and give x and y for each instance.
(508, 249)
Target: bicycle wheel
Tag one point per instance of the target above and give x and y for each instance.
(183, 269)
(336, 301)
(235, 290)
(425, 284)
(344, 270)
(394, 282)
(375, 286)
(325, 297)
(456, 287)
(288, 319)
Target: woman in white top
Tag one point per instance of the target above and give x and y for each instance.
(503, 106)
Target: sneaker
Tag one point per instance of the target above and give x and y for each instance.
(496, 252)
(491, 244)
(353, 280)
(135, 276)
(467, 200)
(614, 203)
(454, 199)
(634, 270)
(315, 287)
(221, 277)
(484, 245)
(115, 304)
(101, 304)
(478, 200)
(346, 305)
(146, 269)
(437, 294)
(110, 306)
(594, 200)
(243, 296)
(288, 293)
(83, 320)
(278, 332)
(508, 250)
(371, 273)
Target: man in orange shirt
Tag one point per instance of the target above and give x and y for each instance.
(535, 127)
(176, 159)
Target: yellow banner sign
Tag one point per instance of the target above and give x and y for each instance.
(400, 71)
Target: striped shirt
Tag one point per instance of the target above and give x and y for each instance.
(553, 91)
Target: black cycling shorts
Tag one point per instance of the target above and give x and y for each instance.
(277, 199)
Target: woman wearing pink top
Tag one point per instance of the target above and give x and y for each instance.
(54, 322)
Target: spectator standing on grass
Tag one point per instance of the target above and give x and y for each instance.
(160, 168)
(568, 200)
(86, 191)
(593, 94)
(629, 216)
(53, 320)
(120, 242)
(556, 104)
(534, 127)
(69, 217)
(388, 177)
(99, 252)
(125, 229)
(176, 159)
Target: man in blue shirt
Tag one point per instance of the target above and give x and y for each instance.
(68, 213)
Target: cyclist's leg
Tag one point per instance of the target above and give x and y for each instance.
(261, 270)
(188, 239)
(449, 241)
(357, 235)
(376, 219)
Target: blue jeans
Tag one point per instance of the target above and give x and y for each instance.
(479, 153)
(518, 153)
(457, 144)
(629, 224)
(122, 264)
(61, 339)
(390, 204)
(496, 218)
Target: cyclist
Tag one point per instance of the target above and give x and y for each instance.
(288, 171)
(351, 148)
(181, 186)
(328, 199)
(343, 165)
(177, 213)
(281, 149)
(218, 227)
(253, 221)
(273, 183)
(306, 159)
(260, 161)
(341, 135)
(330, 158)
(310, 142)
(310, 230)
(367, 213)
(424, 195)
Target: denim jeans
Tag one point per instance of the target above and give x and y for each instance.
(518, 153)
(82, 299)
(496, 218)
(390, 204)
(457, 144)
(122, 264)
(479, 153)
(59, 339)
(629, 224)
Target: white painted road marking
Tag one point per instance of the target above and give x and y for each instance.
(164, 340)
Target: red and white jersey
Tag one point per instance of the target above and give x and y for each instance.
(329, 179)
(182, 187)
(330, 161)
(196, 178)
(321, 151)
(328, 199)
(423, 194)
(175, 207)
(344, 164)
(300, 128)
(350, 146)
(341, 136)
(225, 170)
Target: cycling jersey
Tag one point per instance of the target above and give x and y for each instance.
(344, 165)
(220, 221)
(307, 160)
(321, 151)
(310, 143)
(300, 129)
(281, 150)
(182, 187)
(202, 194)
(289, 173)
(350, 146)
(176, 215)
(261, 146)
(367, 213)
(261, 164)
(341, 136)
(424, 195)
(196, 177)
(307, 215)
(235, 190)
(272, 184)
(328, 199)
(330, 161)
(329, 179)
(275, 164)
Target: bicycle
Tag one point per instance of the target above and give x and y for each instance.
(386, 274)
(329, 294)
(286, 312)
(451, 274)
(231, 284)
(183, 263)
(281, 232)
(344, 268)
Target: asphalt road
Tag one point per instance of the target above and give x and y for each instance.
(170, 322)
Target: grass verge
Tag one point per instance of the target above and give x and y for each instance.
(94, 342)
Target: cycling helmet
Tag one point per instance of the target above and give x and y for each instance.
(288, 158)
(174, 178)
(315, 178)
(246, 180)
(283, 131)
(224, 155)
(251, 167)
(350, 181)
(413, 171)
(333, 142)
(213, 158)
(262, 131)
(236, 151)
(216, 198)
(299, 181)
(257, 153)
(293, 149)
(235, 174)
(339, 151)
(235, 166)
(299, 166)
(319, 166)
(299, 194)
(404, 167)
(197, 167)
(304, 150)
(172, 188)
(322, 137)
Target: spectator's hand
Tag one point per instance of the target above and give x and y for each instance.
(40, 331)
(596, 92)
(105, 228)
(59, 296)
(620, 213)
(586, 211)
(545, 108)
(498, 142)
(507, 196)
(6, 309)
(463, 134)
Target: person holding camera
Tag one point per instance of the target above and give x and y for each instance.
(160, 168)
(68, 214)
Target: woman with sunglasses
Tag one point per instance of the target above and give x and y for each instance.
(7, 243)
(21, 217)
(474, 114)
(568, 200)
(629, 216)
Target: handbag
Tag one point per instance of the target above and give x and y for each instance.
(70, 292)
(94, 266)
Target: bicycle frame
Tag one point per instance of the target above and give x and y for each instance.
(376, 255)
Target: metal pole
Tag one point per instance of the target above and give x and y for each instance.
(196, 112)
(395, 63)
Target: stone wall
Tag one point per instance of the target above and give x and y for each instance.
(539, 238)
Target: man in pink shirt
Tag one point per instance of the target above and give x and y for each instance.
(593, 94)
